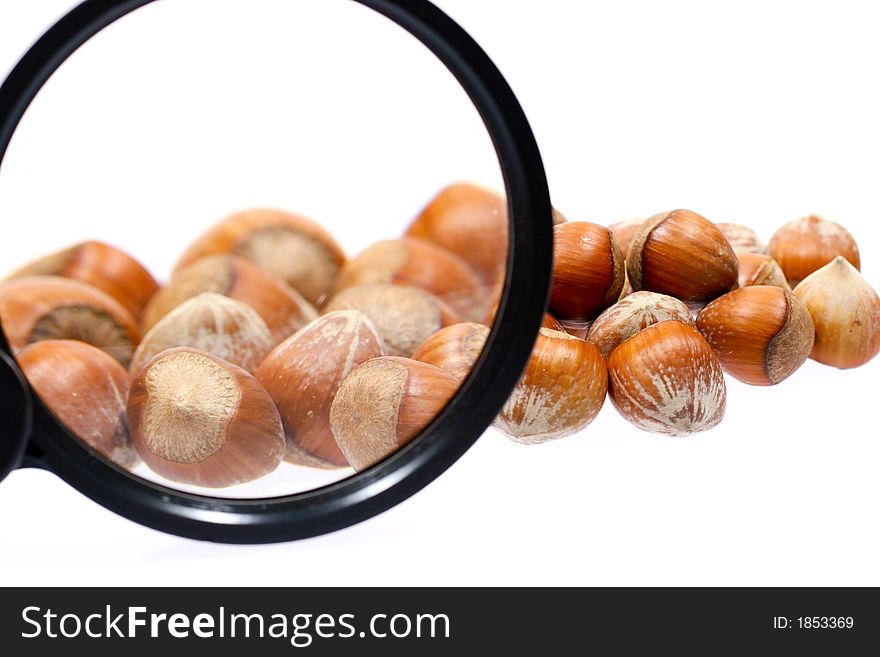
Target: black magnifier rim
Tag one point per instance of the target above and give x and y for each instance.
(458, 426)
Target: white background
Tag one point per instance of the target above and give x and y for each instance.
(752, 112)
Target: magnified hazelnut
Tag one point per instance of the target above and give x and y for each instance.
(588, 271)
(302, 375)
(105, 267)
(807, 244)
(628, 316)
(666, 379)
(86, 389)
(761, 334)
(683, 255)
(404, 316)
(284, 310)
(455, 348)
(385, 403)
(212, 323)
(54, 308)
(742, 239)
(760, 269)
(470, 222)
(415, 262)
(196, 419)
(561, 392)
(294, 248)
(846, 314)
(624, 232)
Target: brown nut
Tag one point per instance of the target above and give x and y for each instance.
(683, 255)
(628, 316)
(561, 392)
(212, 323)
(760, 269)
(385, 403)
(196, 419)
(105, 267)
(624, 232)
(455, 348)
(807, 244)
(550, 322)
(55, 308)
(404, 316)
(284, 310)
(761, 334)
(86, 389)
(742, 239)
(588, 271)
(846, 314)
(302, 375)
(418, 263)
(666, 379)
(294, 248)
(470, 222)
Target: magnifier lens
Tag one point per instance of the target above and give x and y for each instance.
(244, 263)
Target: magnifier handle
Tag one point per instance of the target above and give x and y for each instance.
(16, 418)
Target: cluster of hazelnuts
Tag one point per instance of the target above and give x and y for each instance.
(268, 344)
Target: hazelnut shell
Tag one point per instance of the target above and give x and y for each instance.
(683, 255)
(196, 419)
(807, 244)
(55, 308)
(588, 271)
(761, 334)
(283, 309)
(667, 380)
(86, 389)
(296, 249)
(100, 265)
(211, 323)
(415, 262)
(384, 404)
(846, 314)
(302, 375)
(562, 391)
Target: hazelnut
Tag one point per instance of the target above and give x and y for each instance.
(455, 348)
(212, 323)
(742, 239)
(624, 232)
(105, 267)
(804, 245)
(760, 269)
(196, 419)
(761, 334)
(283, 309)
(683, 255)
(86, 389)
(294, 248)
(55, 308)
(385, 403)
(666, 379)
(404, 316)
(302, 375)
(415, 262)
(550, 322)
(470, 222)
(846, 314)
(628, 316)
(588, 271)
(561, 392)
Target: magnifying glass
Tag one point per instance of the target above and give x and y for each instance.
(266, 371)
